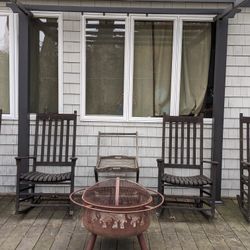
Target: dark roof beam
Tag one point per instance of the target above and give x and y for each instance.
(17, 6)
(231, 11)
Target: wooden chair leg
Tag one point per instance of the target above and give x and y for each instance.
(160, 210)
(200, 203)
(71, 207)
(96, 176)
(213, 200)
(17, 198)
(137, 176)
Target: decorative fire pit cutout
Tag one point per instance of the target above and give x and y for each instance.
(117, 208)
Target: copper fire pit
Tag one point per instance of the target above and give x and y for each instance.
(117, 208)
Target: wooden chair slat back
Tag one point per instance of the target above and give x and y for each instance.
(55, 138)
(183, 145)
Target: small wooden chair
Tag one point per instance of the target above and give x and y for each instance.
(244, 197)
(117, 163)
(183, 148)
(53, 162)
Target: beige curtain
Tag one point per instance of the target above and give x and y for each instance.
(196, 49)
(152, 68)
(4, 64)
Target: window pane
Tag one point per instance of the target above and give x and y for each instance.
(4, 64)
(152, 67)
(105, 42)
(196, 50)
(44, 65)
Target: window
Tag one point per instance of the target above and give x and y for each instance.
(44, 63)
(139, 67)
(153, 45)
(196, 50)
(7, 66)
(105, 44)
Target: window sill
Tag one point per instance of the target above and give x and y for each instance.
(9, 117)
(207, 121)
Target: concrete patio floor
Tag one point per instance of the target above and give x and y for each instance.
(50, 228)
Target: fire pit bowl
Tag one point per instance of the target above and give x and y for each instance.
(116, 209)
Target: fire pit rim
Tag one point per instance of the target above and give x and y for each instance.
(117, 210)
(120, 206)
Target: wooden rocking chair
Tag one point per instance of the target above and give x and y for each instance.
(53, 162)
(183, 146)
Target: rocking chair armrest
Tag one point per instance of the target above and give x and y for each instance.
(245, 163)
(211, 162)
(20, 158)
(160, 165)
(73, 163)
(160, 161)
(73, 159)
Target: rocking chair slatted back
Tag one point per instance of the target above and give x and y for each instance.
(184, 143)
(55, 138)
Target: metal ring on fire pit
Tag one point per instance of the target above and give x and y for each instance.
(115, 210)
(131, 195)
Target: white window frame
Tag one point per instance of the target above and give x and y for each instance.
(83, 115)
(59, 16)
(174, 64)
(129, 61)
(13, 64)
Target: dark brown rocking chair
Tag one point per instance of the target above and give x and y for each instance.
(183, 148)
(53, 162)
(244, 197)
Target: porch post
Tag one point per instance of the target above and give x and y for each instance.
(23, 93)
(23, 84)
(219, 96)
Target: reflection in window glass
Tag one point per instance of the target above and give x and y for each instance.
(44, 65)
(152, 67)
(196, 50)
(4, 64)
(105, 42)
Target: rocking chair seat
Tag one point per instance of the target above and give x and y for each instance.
(192, 181)
(44, 177)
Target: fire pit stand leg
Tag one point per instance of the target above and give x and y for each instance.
(142, 242)
(91, 242)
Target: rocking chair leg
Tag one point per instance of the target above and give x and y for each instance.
(96, 176)
(142, 242)
(33, 191)
(137, 176)
(200, 202)
(17, 203)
